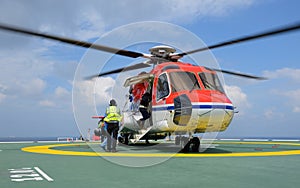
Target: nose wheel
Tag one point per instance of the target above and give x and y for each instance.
(124, 138)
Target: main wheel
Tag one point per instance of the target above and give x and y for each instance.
(186, 144)
(124, 139)
(195, 144)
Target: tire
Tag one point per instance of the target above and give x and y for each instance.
(186, 143)
(195, 144)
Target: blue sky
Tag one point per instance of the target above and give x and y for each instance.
(37, 75)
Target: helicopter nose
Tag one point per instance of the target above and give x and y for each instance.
(182, 110)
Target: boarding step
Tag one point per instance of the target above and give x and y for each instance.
(140, 135)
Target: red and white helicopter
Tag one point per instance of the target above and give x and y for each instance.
(186, 98)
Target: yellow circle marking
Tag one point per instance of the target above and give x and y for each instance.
(47, 149)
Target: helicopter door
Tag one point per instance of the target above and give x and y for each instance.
(134, 106)
(137, 79)
(182, 110)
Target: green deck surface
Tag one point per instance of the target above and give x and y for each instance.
(84, 171)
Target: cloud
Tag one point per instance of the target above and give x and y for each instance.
(272, 113)
(2, 97)
(293, 74)
(77, 18)
(293, 94)
(24, 89)
(102, 89)
(24, 64)
(23, 73)
(185, 10)
(294, 100)
(290, 98)
(47, 103)
(91, 91)
(288, 79)
(59, 99)
(296, 109)
(61, 92)
(23, 58)
(238, 97)
(31, 87)
(269, 114)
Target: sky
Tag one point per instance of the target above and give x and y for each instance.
(37, 75)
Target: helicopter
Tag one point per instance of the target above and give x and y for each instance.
(185, 98)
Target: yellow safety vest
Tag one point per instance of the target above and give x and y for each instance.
(112, 114)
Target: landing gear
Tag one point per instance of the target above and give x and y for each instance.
(147, 141)
(189, 145)
(186, 145)
(195, 144)
(124, 139)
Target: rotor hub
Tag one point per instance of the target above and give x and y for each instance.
(162, 51)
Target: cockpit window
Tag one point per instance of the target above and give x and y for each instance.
(211, 81)
(183, 81)
(162, 86)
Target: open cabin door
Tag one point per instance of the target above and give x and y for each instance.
(132, 116)
(138, 79)
(131, 81)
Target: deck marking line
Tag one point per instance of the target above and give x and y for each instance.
(48, 149)
(43, 174)
(21, 171)
(28, 179)
(22, 175)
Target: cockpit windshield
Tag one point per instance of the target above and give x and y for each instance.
(183, 81)
(211, 81)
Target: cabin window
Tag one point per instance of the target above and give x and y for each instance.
(183, 81)
(162, 86)
(211, 81)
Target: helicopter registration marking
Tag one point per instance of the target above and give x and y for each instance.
(48, 149)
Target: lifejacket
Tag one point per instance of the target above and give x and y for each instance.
(138, 90)
(112, 114)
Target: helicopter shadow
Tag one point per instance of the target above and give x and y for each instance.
(166, 148)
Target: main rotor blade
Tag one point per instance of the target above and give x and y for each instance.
(281, 30)
(238, 74)
(123, 69)
(72, 41)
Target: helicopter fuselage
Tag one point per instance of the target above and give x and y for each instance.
(185, 98)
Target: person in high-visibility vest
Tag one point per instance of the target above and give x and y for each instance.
(112, 118)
